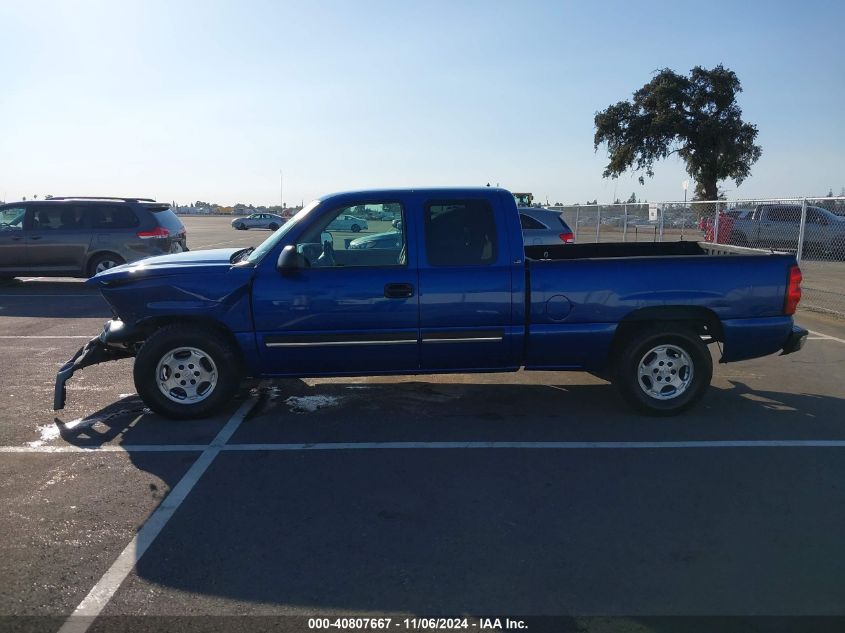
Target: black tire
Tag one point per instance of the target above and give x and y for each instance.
(355, 228)
(209, 342)
(626, 371)
(105, 260)
(240, 226)
(274, 226)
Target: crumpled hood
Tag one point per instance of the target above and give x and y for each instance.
(194, 262)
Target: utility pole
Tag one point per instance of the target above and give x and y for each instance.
(281, 189)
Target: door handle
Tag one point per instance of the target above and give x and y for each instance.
(35, 237)
(398, 291)
(17, 238)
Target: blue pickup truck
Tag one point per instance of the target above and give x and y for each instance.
(458, 292)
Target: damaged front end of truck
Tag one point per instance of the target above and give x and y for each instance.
(203, 287)
(113, 343)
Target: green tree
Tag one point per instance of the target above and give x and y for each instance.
(696, 117)
(633, 198)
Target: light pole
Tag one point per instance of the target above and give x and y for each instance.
(685, 185)
(281, 189)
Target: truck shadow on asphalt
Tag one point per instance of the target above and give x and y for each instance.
(483, 531)
(292, 411)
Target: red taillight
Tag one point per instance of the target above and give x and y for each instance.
(567, 238)
(158, 231)
(793, 290)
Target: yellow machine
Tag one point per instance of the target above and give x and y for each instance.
(523, 199)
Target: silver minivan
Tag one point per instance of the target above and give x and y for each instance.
(79, 237)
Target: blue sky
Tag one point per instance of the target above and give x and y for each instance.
(209, 100)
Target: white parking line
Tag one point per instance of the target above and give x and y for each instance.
(47, 336)
(26, 295)
(358, 446)
(347, 446)
(826, 337)
(92, 605)
(108, 448)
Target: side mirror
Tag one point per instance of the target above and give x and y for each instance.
(290, 260)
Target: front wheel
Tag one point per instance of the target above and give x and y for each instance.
(186, 372)
(355, 228)
(664, 371)
(274, 226)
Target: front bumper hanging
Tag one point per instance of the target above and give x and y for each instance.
(95, 351)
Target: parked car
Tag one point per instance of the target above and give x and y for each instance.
(738, 214)
(376, 214)
(544, 227)
(465, 295)
(258, 221)
(390, 240)
(348, 223)
(778, 226)
(80, 237)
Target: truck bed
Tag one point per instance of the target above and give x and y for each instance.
(579, 293)
(634, 249)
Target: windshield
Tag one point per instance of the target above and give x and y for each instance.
(267, 245)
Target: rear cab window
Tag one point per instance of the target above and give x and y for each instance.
(460, 233)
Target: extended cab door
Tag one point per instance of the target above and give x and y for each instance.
(466, 286)
(353, 309)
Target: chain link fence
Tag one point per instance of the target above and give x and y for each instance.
(811, 228)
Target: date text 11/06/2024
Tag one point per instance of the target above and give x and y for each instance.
(417, 623)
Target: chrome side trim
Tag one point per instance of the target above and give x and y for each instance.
(476, 339)
(330, 343)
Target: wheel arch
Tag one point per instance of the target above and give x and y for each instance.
(702, 320)
(146, 327)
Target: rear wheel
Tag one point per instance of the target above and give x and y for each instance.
(186, 371)
(104, 262)
(663, 371)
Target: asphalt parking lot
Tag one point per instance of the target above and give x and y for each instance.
(501, 494)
